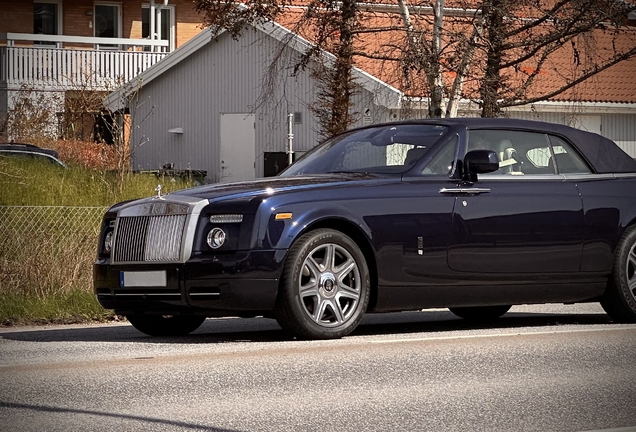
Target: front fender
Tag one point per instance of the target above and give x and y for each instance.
(281, 234)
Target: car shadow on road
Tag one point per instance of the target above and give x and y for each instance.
(267, 330)
(160, 423)
(509, 321)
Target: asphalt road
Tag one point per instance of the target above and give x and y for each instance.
(540, 368)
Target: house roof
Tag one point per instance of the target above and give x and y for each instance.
(615, 85)
(385, 94)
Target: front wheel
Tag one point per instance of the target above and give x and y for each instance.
(619, 300)
(166, 325)
(324, 289)
(480, 313)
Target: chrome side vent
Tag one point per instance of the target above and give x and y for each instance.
(155, 238)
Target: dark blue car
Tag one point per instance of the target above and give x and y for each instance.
(474, 215)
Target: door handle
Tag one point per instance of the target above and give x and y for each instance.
(460, 190)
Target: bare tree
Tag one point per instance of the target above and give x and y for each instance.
(497, 53)
(524, 40)
(504, 49)
(440, 45)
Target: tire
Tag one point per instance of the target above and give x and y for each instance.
(166, 325)
(480, 313)
(325, 287)
(619, 300)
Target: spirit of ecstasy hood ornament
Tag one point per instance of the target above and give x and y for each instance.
(158, 190)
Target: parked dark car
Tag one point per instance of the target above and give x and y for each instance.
(474, 215)
(30, 151)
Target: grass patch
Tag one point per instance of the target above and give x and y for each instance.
(39, 183)
(74, 306)
(49, 224)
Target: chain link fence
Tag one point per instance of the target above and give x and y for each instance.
(44, 250)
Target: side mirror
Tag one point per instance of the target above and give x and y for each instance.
(479, 162)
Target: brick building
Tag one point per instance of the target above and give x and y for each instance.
(58, 58)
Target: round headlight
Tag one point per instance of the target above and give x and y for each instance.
(108, 241)
(216, 238)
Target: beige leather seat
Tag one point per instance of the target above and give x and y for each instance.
(508, 162)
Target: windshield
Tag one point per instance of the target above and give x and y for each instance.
(388, 149)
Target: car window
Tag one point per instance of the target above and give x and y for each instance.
(388, 149)
(540, 156)
(442, 163)
(520, 153)
(566, 159)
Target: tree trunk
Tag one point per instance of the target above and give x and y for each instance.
(466, 63)
(342, 81)
(436, 84)
(494, 25)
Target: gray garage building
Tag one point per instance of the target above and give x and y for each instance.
(209, 106)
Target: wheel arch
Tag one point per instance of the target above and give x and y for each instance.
(628, 214)
(627, 223)
(354, 232)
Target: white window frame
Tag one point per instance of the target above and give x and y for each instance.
(172, 27)
(120, 23)
(59, 19)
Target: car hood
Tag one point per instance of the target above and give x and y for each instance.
(275, 185)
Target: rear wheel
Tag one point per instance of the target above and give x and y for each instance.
(619, 300)
(166, 325)
(480, 313)
(325, 286)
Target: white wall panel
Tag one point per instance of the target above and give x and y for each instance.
(621, 128)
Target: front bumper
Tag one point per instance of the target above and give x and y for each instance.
(242, 283)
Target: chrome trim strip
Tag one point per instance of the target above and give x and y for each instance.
(191, 228)
(144, 207)
(554, 177)
(144, 294)
(589, 176)
(464, 190)
(204, 294)
(526, 177)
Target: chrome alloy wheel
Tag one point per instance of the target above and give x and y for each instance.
(630, 271)
(329, 285)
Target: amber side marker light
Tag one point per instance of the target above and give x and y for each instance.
(283, 216)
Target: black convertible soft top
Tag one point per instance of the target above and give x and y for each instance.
(603, 155)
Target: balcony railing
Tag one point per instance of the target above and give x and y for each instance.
(67, 69)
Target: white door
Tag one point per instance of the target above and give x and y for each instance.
(238, 147)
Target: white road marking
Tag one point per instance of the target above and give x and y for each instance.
(625, 429)
(436, 338)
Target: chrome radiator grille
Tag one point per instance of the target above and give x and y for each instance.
(155, 238)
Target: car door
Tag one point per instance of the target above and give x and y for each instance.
(411, 227)
(524, 218)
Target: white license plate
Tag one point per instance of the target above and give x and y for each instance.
(142, 278)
